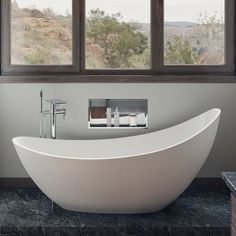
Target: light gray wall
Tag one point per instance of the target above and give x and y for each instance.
(169, 104)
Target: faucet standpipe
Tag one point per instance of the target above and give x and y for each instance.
(53, 112)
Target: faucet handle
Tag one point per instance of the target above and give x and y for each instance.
(64, 115)
(56, 102)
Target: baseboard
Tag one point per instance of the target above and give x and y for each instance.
(17, 183)
(198, 183)
(208, 183)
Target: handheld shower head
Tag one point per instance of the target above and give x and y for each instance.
(41, 114)
(41, 101)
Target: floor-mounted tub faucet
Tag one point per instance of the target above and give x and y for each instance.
(53, 112)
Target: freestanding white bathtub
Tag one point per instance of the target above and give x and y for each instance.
(136, 174)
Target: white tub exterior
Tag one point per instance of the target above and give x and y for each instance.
(136, 174)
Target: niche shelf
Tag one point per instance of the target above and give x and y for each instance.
(133, 113)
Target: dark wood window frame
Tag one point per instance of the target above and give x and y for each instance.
(157, 73)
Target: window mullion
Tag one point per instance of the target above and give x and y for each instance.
(5, 34)
(157, 34)
(82, 34)
(76, 34)
(230, 34)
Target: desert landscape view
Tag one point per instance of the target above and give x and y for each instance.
(41, 37)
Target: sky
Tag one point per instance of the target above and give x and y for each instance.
(59, 6)
(137, 10)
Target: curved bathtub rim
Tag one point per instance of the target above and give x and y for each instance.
(217, 110)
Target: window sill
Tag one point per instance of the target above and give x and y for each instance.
(118, 78)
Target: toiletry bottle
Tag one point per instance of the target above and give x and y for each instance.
(141, 119)
(108, 117)
(116, 117)
(133, 120)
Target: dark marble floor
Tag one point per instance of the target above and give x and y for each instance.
(29, 212)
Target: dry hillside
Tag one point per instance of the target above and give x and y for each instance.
(41, 37)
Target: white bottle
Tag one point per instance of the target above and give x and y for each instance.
(116, 117)
(108, 117)
(133, 120)
(141, 119)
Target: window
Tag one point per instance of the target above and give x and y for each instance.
(41, 32)
(116, 37)
(194, 32)
(118, 40)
